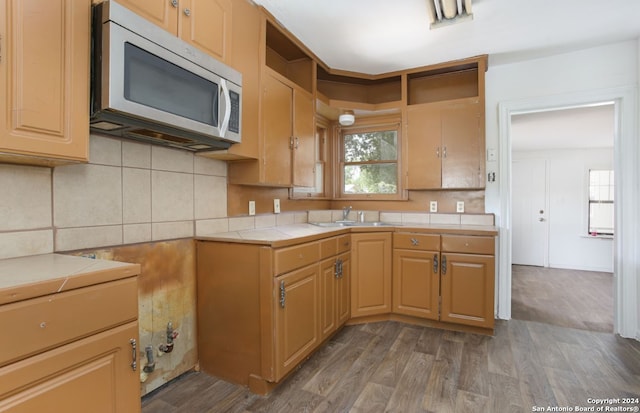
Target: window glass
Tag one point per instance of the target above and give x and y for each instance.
(601, 206)
(370, 162)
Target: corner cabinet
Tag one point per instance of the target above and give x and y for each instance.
(44, 81)
(263, 310)
(74, 350)
(371, 274)
(206, 24)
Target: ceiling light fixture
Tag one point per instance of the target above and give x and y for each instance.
(346, 118)
(446, 12)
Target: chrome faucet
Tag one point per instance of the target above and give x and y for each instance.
(345, 212)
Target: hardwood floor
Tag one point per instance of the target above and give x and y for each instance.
(566, 298)
(394, 367)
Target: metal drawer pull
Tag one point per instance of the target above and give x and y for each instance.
(282, 294)
(444, 265)
(187, 12)
(414, 242)
(435, 263)
(134, 354)
(174, 3)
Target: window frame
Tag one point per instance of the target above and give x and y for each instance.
(591, 202)
(370, 125)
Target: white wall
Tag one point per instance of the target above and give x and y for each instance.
(567, 174)
(590, 69)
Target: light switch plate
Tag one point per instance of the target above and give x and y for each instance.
(276, 206)
(433, 206)
(460, 206)
(252, 207)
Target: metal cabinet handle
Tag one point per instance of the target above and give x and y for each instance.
(134, 354)
(339, 268)
(415, 242)
(435, 263)
(438, 152)
(297, 142)
(444, 265)
(187, 12)
(444, 151)
(283, 294)
(174, 3)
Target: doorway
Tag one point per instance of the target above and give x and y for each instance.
(625, 160)
(557, 262)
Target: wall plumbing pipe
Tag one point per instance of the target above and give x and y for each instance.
(151, 364)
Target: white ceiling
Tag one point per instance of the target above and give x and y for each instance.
(380, 36)
(585, 127)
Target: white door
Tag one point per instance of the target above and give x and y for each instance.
(529, 209)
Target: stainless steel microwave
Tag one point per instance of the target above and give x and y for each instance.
(151, 86)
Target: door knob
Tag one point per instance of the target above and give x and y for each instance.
(541, 219)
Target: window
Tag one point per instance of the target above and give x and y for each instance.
(370, 163)
(601, 189)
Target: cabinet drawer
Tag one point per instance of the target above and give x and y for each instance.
(468, 244)
(33, 326)
(422, 242)
(290, 258)
(344, 243)
(328, 247)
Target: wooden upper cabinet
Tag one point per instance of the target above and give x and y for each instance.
(446, 146)
(445, 126)
(286, 137)
(304, 141)
(160, 12)
(206, 24)
(44, 81)
(277, 103)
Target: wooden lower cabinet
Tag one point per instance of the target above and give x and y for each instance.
(73, 351)
(262, 310)
(468, 289)
(371, 274)
(416, 286)
(455, 285)
(89, 375)
(297, 318)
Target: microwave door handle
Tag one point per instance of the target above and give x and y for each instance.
(225, 100)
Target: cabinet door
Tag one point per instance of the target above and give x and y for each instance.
(206, 24)
(44, 78)
(343, 290)
(304, 145)
(328, 297)
(277, 109)
(424, 147)
(89, 375)
(297, 317)
(370, 274)
(416, 283)
(467, 289)
(163, 13)
(462, 146)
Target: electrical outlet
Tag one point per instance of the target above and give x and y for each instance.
(276, 206)
(460, 206)
(433, 206)
(252, 207)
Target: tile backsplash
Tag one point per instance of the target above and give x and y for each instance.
(128, 193)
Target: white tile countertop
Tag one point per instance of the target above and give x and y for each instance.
(284, 235)
(33, 276)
